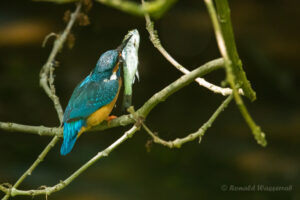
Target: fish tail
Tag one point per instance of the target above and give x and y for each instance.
(127, 102)
(71, 130)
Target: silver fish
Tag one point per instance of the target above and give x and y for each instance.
(130, 64)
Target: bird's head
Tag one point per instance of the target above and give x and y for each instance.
(109, 61)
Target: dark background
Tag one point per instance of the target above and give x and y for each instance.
(267, 37)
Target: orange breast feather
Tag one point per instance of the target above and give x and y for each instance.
(101, 114)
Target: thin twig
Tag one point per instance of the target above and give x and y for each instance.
(177, 143)
(39, 130)
(223, 12)
(258, 134)
(157, 44)
(47, 83)
(47, 38)
(49, 190)
(46, 74)
(32, 167)
(38, 160)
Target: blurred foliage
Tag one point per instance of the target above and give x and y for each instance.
(156, 8)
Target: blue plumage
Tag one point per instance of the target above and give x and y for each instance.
(95, 91)
(70, 135)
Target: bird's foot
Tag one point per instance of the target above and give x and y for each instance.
(109, 118)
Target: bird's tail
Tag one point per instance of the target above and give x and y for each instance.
(71, 130)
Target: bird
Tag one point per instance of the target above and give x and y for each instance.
(93, 98)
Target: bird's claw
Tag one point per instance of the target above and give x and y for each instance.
(109, 118)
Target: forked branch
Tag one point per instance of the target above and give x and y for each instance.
(62, 184)
(47, 83)
(177, 143)
(235, 75)
(153, 36)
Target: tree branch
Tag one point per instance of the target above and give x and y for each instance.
(46, 74)
(157, 44)
(47, 83)
(37, 162)
(177, 143)
(141, 113)
(223, 12)
(125, 119)
(231, 67)
(49, 190)
(39, 130)
(178, 84)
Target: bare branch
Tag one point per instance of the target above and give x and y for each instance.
(30, 169)
(47, 38)
(125, 119)
(46, 74)
(58, 131)
(47, 83)
(49, 190)
(157, 44)
(178, 84)
(39, 159)
(231, 69)
(177, 143)
(40, 130)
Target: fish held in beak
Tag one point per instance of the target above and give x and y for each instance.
(129, 55)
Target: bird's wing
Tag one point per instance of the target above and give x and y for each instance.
(89, 96)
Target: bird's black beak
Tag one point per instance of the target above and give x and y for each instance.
(123, 45)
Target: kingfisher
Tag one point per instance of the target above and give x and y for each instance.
(94, 98)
